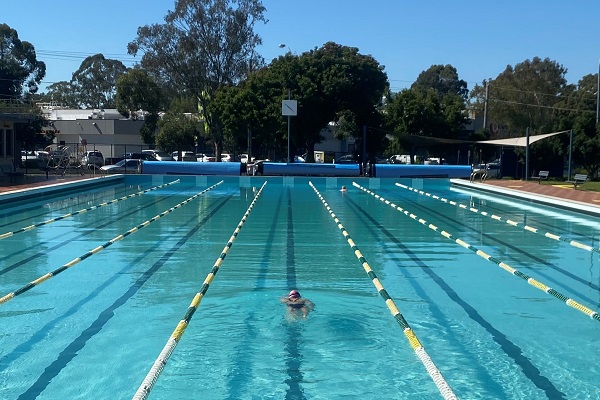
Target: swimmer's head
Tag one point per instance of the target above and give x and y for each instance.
(294, 294)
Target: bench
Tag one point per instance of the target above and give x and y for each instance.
(578, 179)
(541, 176)
(9, 170)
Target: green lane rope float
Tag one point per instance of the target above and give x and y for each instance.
(432, 370)
(30, 227)
(568, 301)
(75, 261)
(158, 366)
(508, 221)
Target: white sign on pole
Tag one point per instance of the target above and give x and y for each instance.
(289, 107)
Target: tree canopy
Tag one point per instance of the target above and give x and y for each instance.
(96, 81)
(203, 45)
(20, 70)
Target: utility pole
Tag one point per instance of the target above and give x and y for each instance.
(485, 104)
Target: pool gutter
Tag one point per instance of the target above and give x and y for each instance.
(570, 205)
(58, 188)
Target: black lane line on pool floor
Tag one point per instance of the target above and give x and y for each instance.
(76, 345)
(241, 369)
(46, 330)
(457, 224)
(370, 223)
(293, 360)
(45, 252)
(509, 348)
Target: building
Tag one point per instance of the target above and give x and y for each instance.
(103, 130)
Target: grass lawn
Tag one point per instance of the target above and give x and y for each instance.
(589, 186)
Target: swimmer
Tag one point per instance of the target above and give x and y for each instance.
(343, 189)
(297, 305)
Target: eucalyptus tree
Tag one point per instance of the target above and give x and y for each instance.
(576, 110)
(20, 69)
(524, 96)
(138, 93)
(203, 45)
(96, 81)
(176, 132)
(63, 93)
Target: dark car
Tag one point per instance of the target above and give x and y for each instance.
(139, 156)
(347, 159)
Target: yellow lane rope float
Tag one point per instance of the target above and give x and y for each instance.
(30, 227)
(75, 261)
(432, 370)
(528, 228)
(152, 376)
(568, 301)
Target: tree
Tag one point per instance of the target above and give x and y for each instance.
(20, 70)
(332, 83)
(523, 96)
(64, 93)
(138, 94)
(203, 45)
(96, 81)
(576, 110)
(443, 79)
(176, 132)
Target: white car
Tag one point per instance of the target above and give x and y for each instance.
(92, 159)
(127, 166)
(226, 157)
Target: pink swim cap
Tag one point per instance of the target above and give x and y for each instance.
(294, 294)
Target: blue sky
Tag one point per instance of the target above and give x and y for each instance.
(479, 38)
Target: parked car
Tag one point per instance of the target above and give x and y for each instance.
(127, 166)
(159, 155)
(139, 156)
(209, 158)
(226, 157)
(92, 159)
(185, 156)
(347, 159)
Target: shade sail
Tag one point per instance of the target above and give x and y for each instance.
(519, 141)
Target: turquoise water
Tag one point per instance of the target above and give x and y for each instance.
(95, 329)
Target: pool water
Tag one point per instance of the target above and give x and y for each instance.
(95, 329)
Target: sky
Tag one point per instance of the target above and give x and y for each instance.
(479, 38)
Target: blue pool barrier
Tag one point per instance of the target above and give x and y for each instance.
(420, 171)
(192, 168)
(309, 169)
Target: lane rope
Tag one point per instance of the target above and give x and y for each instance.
(432, 370)
(160, 363)
(537, 284)
(96, 250)
(30, 227)
(516, 224)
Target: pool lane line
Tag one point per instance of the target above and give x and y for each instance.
(49, 221)
(158, 366)
(83, 235)
(98, 249)
(528, 228)
(435, 374)
(510, 349)
(539, 285)
(74, 348)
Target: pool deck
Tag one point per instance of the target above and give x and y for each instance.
(562, 195)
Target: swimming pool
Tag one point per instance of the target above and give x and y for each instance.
(129, 270)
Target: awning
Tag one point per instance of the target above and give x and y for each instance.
(519, 141)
